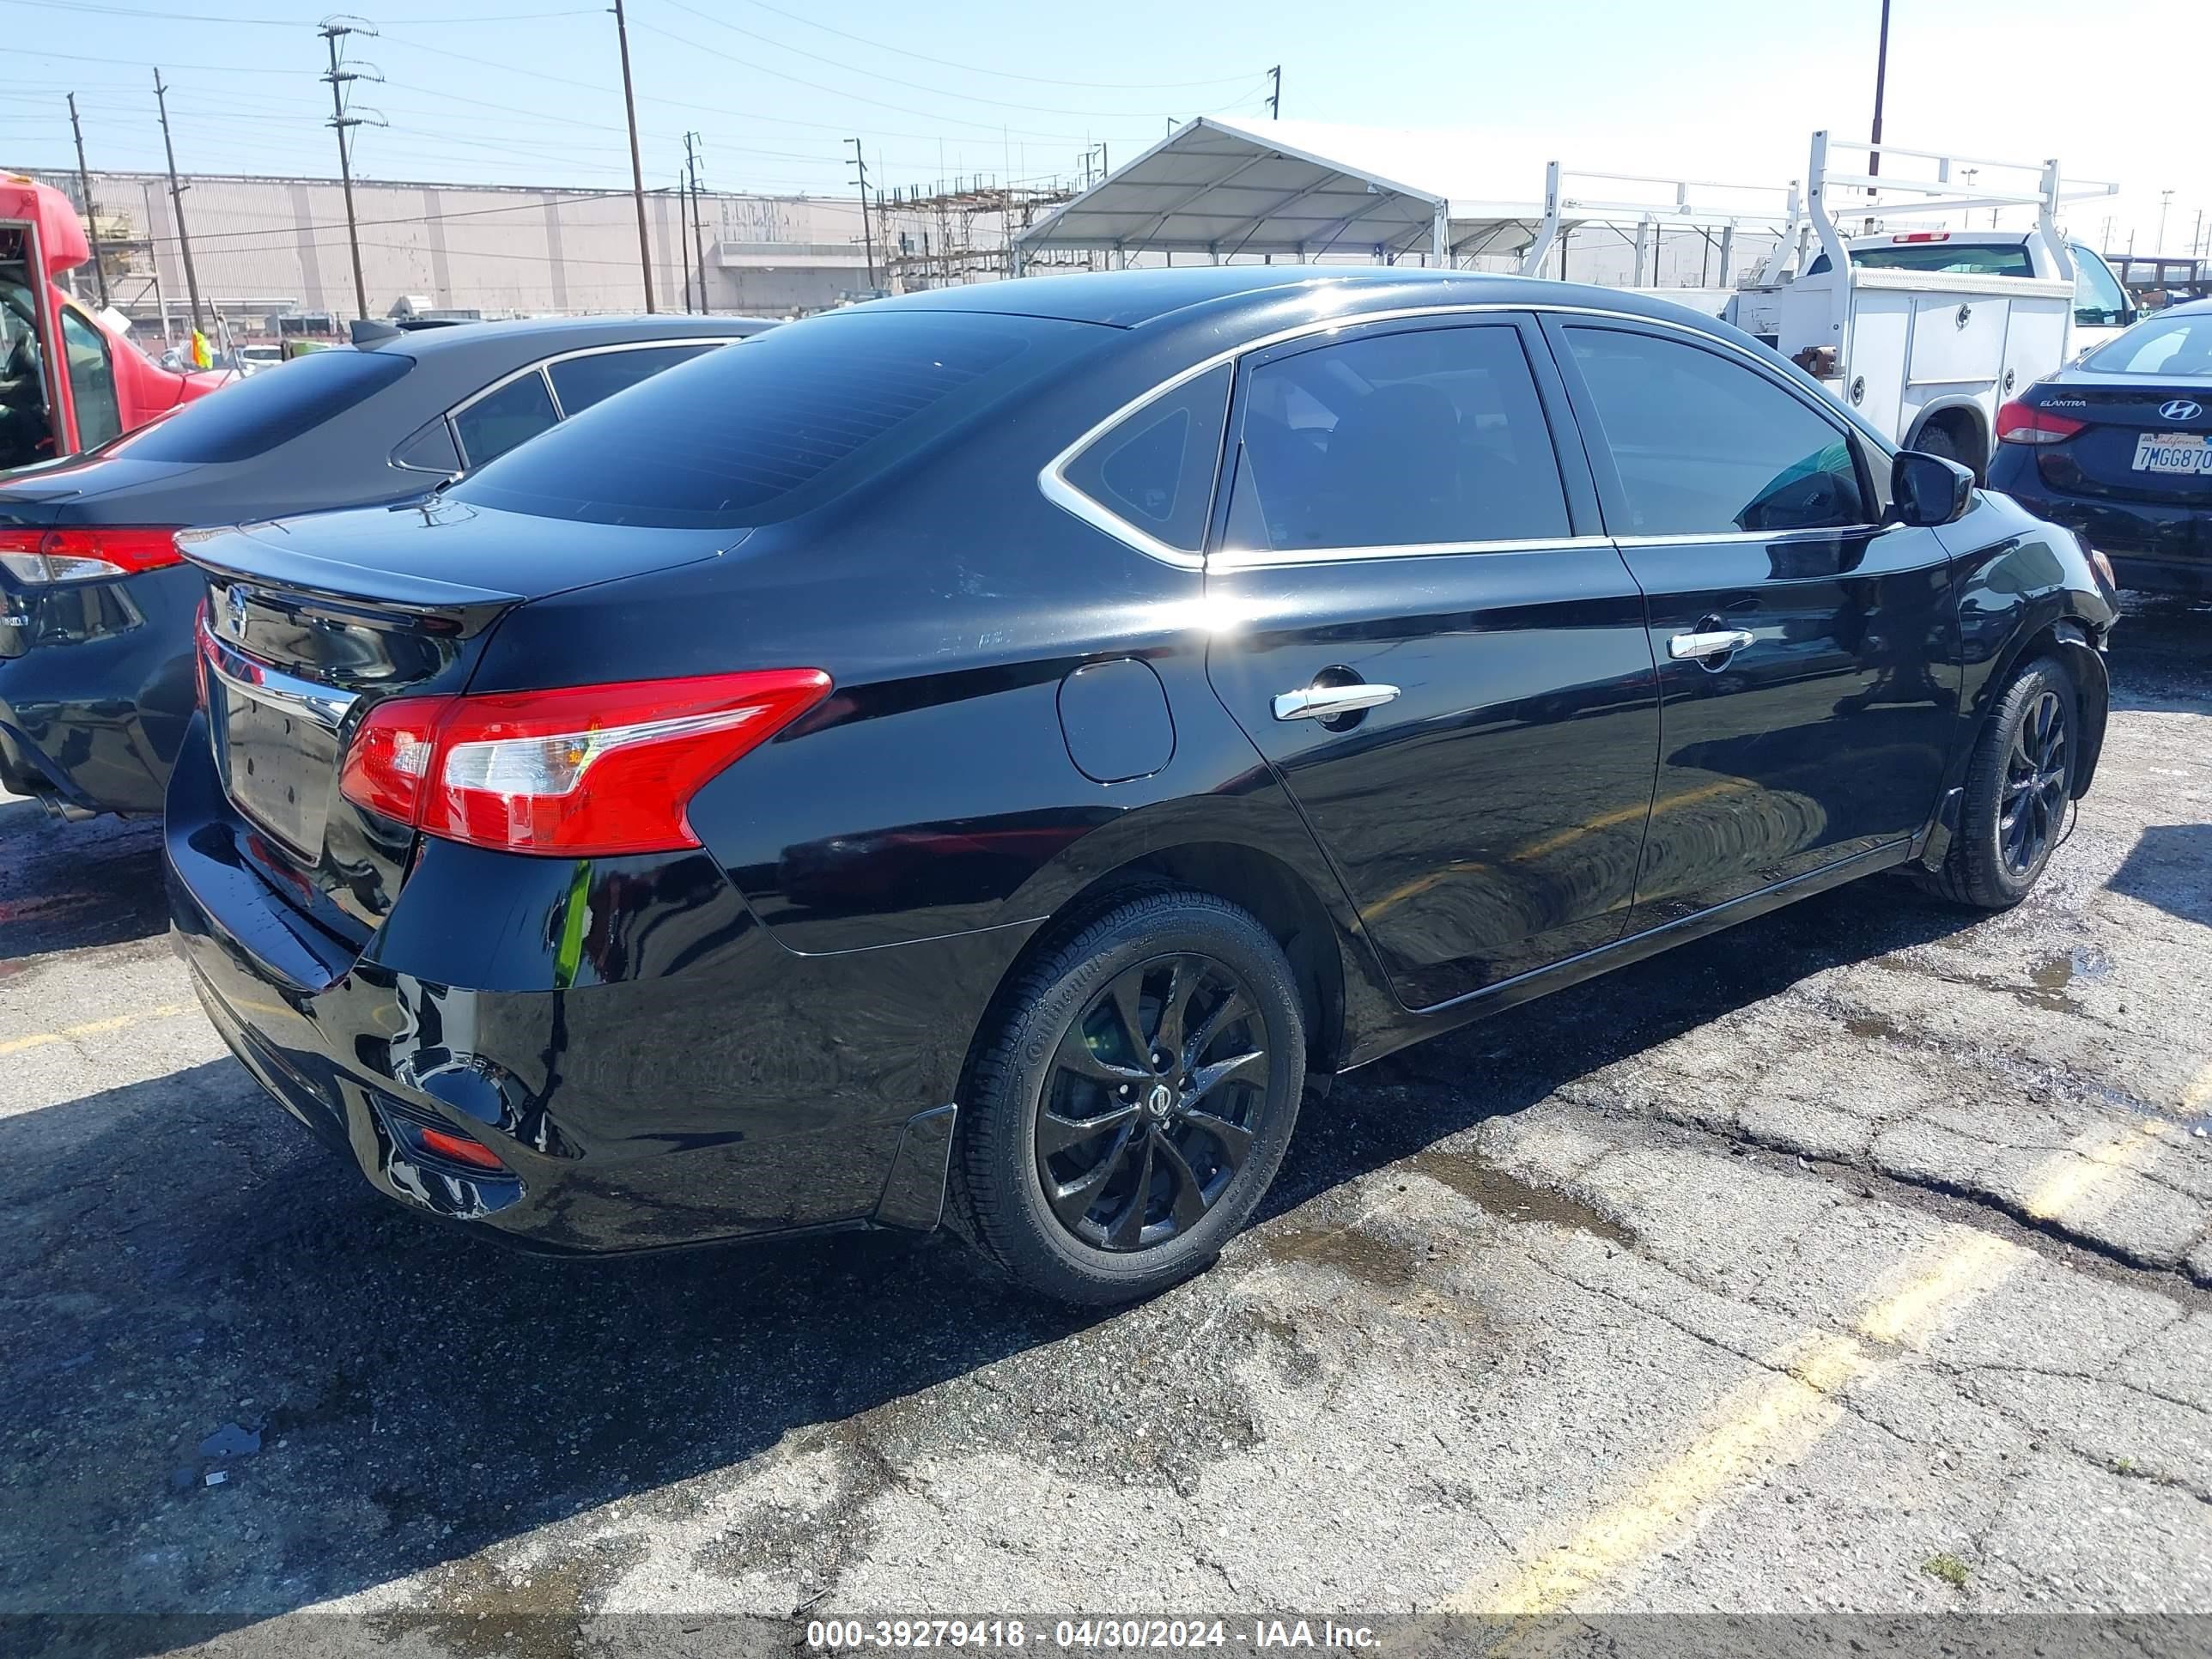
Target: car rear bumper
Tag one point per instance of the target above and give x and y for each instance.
(94, 703)
(722, 1087)
(2152, 545)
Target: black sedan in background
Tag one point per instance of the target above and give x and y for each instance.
(2118, 446)
(95, 601)
(988, 752)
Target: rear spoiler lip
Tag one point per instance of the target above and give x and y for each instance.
(238, 554)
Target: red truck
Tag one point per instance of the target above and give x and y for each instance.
(57, 402)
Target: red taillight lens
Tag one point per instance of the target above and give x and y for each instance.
(91, 553)
(2024, 423)
(459, 1148)
(584, 772)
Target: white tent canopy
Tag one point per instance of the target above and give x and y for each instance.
(1304, 189)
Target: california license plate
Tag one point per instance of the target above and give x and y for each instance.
(2173, 452)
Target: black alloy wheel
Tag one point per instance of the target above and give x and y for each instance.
(2034, 803)
(2019, 781)
(1125, 1112)
(1150, 1109)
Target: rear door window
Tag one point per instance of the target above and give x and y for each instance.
(254, 415)
(1410, 438)
(1704, 446)
(791, 419)
(580, 382)
(1154, 470)
(500, 419)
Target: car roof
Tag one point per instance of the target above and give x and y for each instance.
(526, 339)
(1130, 299)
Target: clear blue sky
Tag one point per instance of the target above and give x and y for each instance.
(529, 91)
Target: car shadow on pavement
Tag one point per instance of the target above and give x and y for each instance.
(64, 886)
(182, 1257)
(2170, 866)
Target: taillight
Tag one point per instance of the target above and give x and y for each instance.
(1923, 236)
(91, 553)
(584, 772)
(2024, 423)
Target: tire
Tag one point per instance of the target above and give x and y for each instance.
(1182, 1153)
(1937, 439)
(1998, 855)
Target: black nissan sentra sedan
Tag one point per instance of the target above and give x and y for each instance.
(2118, 446)
(96, 601)
(990, 755)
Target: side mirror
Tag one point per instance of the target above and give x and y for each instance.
(1927, 489)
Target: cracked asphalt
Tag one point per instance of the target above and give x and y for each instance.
(1857, 1260)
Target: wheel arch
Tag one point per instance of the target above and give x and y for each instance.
(1964, 417)
(1284, 899)
(2067, 638)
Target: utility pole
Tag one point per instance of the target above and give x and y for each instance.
(683, 195)
(177, 198)
(636, 170)
(1880, 82)
(92, 221)
(2164, 201)
(867, 238)
(342, 123)
(698, 231)
(1275, 97)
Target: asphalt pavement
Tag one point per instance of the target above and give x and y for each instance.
(1855, 1261)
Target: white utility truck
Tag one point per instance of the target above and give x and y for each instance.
(1925, 332)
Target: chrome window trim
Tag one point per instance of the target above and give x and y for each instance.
(1701, 539)
(1261, 558)
(543, 368)
(1053, 484)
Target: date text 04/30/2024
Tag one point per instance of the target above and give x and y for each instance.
(1088, 1634)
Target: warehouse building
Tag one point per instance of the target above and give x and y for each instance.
(266, 248)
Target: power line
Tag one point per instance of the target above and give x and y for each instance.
(917, 85)
(276, 22)
(1008, 75)
(861, 97)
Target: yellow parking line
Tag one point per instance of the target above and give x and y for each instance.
(89, 1029)
(1779, 1417)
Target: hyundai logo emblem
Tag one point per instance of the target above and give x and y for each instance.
(235, 604)
(2181, 409)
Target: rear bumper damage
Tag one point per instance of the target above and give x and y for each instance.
(663, 1074)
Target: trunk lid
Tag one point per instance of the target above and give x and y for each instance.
(311, 622)
(2145, 442)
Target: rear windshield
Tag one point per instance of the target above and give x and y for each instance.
(1946, 259)
(802, 413)
(250, 416)
(2180, 344)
